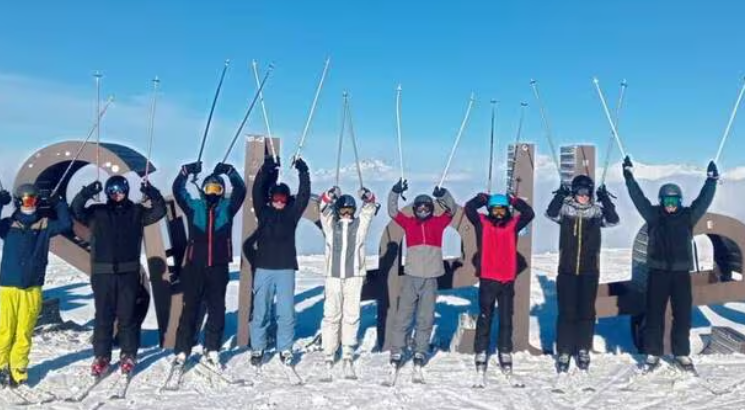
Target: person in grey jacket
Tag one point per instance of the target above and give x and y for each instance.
(345, 235)
(424, 231)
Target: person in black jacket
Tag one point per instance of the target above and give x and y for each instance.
(205, 274)
(669, 260)
(580, 219)
(116, 243)
(275, 257)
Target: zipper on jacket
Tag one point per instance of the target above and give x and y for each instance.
(210, 213)
(424, 234)
(579, 244)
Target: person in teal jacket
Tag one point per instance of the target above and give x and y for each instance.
(26, 235)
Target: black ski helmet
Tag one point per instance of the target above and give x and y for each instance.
(281, 189)
(582, 183)
(345, 201)
(670, 190)
(25, 191)
(426, 201)
(213, 180)
(117, 183)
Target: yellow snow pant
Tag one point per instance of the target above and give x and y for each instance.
(19, 309)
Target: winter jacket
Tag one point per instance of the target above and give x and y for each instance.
(210, 225)
(116, 231)
(496, 257)
(579, 237)
(670, 235)
(345, 240)
(275, 235)
(423, 238)
(26, 246)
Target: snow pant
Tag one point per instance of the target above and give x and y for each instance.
(267, 284)
(19, 310)
(341, 309)
(491, 291)
(417, 300)
(208, 285)
(115, 297)
(575, 324)
(661, 287)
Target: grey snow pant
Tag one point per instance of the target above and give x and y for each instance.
(417, 299)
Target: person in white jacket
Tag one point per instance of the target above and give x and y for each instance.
(345, 236)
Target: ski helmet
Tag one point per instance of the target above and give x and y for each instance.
(279, 193)
(26, 196)
(670, 194)
(424, 206)
(498, 206)
(213, 187)
(582, 185)
(117, 184)
(345, 206)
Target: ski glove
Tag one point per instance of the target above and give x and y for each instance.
(54, 200)
(91, 190)
(148, 190)
(366, 195)
(271, 163)
(712, 171)
(333, 193)
(223, 168)
(5, 197)
(483, 198)
(628, 167)
(603, 194)
(301, 166)
(401, 186)
(439, 192)
(193, 168)
(563, 191)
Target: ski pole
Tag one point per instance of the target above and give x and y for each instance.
(523, 106)
(729, 123)
(491, 145)
(341, 135)
(457, 139)
(151, 128)
(398, 131)
(546, 125)
(248, 112)
(82, 145)
(209, 117)
(98, 76)
(354, 143)
(610, 120)
(263, 110)
(619, 107)
(312, 110)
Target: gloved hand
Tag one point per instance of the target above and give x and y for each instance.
(270, 163)
(333, 193)
(603, 194)
(483, 198)
(5, 197)
(223, 169)
(366, 195)
(628, 167)
(91, 190)
(563, 191)
(439, 192)
(54, 200)
(149, 190)
(301, 166)
(401, 186)
(712, 171)
(193, 168)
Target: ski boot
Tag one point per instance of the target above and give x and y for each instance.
(562, 363)
(651, 363)
(685, 364)
(505, 363)
(14, 383)
(257, 358)
(287, 358)
(481, 361)
(211, 359)
(127, 364)
(583, 360)
(100, 366)
(4, 377)
(397, 360)
(419, 359)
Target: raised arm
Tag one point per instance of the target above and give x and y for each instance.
(180, 194)
(5, 223)
(445, 199)
(80, 212)
(526, 212)
(239, 187)
(610, 216)
(701, 204)
(642, 204)
(554, 210)
(303, 190)
(157, 209)
(368, 211)
(472, 208)
(63, 223)
(398, 189)
(267, 175)
(326, 205)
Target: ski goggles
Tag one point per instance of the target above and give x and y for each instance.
(423, 210)
(213, 189)
(498, 211)
(112, 190)
(583, 192)
(29, 201)
(279, 198)
(671, 201)
(346, 211)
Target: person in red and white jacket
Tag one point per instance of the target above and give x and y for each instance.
(497, 266)
(423, 266)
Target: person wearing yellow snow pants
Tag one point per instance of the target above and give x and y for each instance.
(26, 235)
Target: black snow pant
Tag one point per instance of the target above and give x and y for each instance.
(575, 324)
(115, 296)
(202, 284)
(504, 294)
(661, 287)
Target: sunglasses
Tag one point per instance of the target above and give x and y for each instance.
(29, 201)
(213, 189)
(280, 198)
(671, 201)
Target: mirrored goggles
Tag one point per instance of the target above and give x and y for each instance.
(582, 192)
(423, 211)
(280, 198)
(213, 189)
(671, 201)
(112, 190)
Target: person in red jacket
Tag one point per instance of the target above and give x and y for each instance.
(497, 267)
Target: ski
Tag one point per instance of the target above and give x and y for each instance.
(480, 380)
(212, 372)
(392, 376)
(612, 381)
(292, 375)
(560, 384)
(173, 379)
(120, 387)
(328, 376)
(91, 386)
(31, 397)
(417, 376)
(513, 380)
(348, 368)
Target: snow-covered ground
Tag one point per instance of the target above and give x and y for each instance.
(60, 359)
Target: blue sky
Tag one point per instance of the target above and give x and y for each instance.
(681, 60)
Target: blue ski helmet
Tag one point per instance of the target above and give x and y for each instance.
(496, 200)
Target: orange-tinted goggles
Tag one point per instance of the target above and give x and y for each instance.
(281, 198)
(213, 189)
(29, 201)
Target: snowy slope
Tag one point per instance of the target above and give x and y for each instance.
(60, 360)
